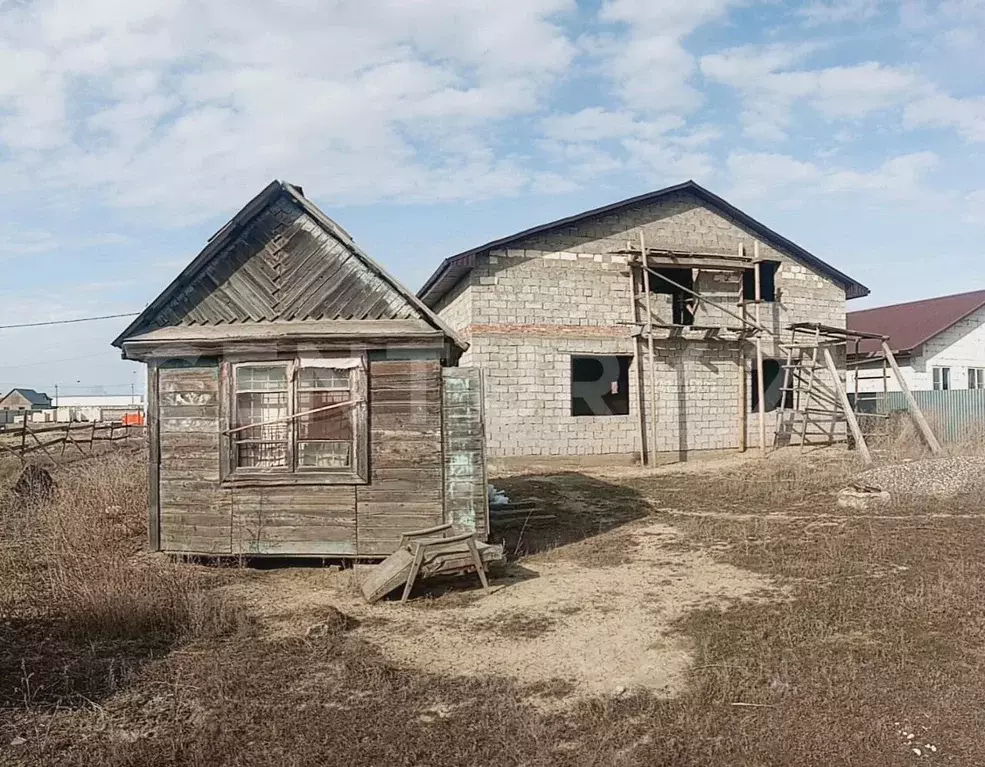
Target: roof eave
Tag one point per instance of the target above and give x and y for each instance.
(853, 288)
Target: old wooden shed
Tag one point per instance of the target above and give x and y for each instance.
(301, 401)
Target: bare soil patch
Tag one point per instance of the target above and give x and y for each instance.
(598, 628)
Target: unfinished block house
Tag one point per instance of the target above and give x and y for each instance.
(637, 328)
(302, 402)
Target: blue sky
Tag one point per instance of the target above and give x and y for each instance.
(129, 132)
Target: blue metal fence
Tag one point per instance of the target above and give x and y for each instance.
(955, 416)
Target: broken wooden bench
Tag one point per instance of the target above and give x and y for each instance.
(424, 553)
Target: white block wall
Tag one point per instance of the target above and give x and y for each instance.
(527, 309)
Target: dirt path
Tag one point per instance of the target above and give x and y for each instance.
(601, 629)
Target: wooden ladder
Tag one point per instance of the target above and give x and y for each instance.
(800, 389)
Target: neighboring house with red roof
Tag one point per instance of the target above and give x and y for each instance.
(938, 342)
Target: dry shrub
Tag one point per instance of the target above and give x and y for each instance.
(82, 554)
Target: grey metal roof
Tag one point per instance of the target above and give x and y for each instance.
(452, 269)
(218, 242)
(39, 399)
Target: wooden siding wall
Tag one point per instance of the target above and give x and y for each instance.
(466, 497)
(406, 481)
(405, 490)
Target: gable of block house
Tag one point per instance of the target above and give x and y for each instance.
(570, 276)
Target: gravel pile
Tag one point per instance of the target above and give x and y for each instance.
(942, 477)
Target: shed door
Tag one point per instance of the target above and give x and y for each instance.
(466, 499)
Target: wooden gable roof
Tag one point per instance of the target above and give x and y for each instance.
(281, 260)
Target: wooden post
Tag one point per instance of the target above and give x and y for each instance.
(153, 459)
(915, 412)
(849, 413)
(638, 365)
(760, 384)
(24, 434)
(652, 393)
(743, 399)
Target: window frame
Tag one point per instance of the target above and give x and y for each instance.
(940, 378)
(357, 473)
(979, 376)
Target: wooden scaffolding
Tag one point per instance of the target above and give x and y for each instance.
(813, 396)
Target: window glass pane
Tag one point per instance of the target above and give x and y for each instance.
(261, 455)
(265, 444)
(261, 378)
(325, 455)
(335, 424)
(323, 378)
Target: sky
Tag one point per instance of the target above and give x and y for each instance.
(131, 131)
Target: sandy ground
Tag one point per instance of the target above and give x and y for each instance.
(601, 629)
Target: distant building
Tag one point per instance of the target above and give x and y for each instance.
(25, 399)
(97, 407)
(938, 342)
(18, 403)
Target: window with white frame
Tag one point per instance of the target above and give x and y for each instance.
(976, 378)
(942, 379)
(303, 417)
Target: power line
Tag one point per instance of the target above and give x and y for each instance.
(19, 365)
(69, 322)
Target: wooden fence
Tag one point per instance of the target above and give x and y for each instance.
(53, 440)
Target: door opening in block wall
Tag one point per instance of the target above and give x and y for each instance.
(772, 387)
(600, 385)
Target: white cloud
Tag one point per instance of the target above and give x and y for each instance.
(839, 11)
(778, 176)
(28, 242)
(180, 107)
(975, 207)
(595, 142)
(938, 110)
(597, 124)
(770, 88)
(647, 60)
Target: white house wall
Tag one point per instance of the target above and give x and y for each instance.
(960, 347)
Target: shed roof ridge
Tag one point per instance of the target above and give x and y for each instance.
(243, 218)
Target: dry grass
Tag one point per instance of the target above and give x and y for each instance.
(81, 608)
(881, 631)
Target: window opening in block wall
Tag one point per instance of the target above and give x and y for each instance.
(600, 385)
(682, 303)
(772, 387)
(942, 379)
(767, 281)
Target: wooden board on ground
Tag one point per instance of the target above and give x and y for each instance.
(388, 575)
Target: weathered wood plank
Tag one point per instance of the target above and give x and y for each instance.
(369, 509)
(190, 425)
(465, 497)
(188, 385)
(153, 459)
(190, 411)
